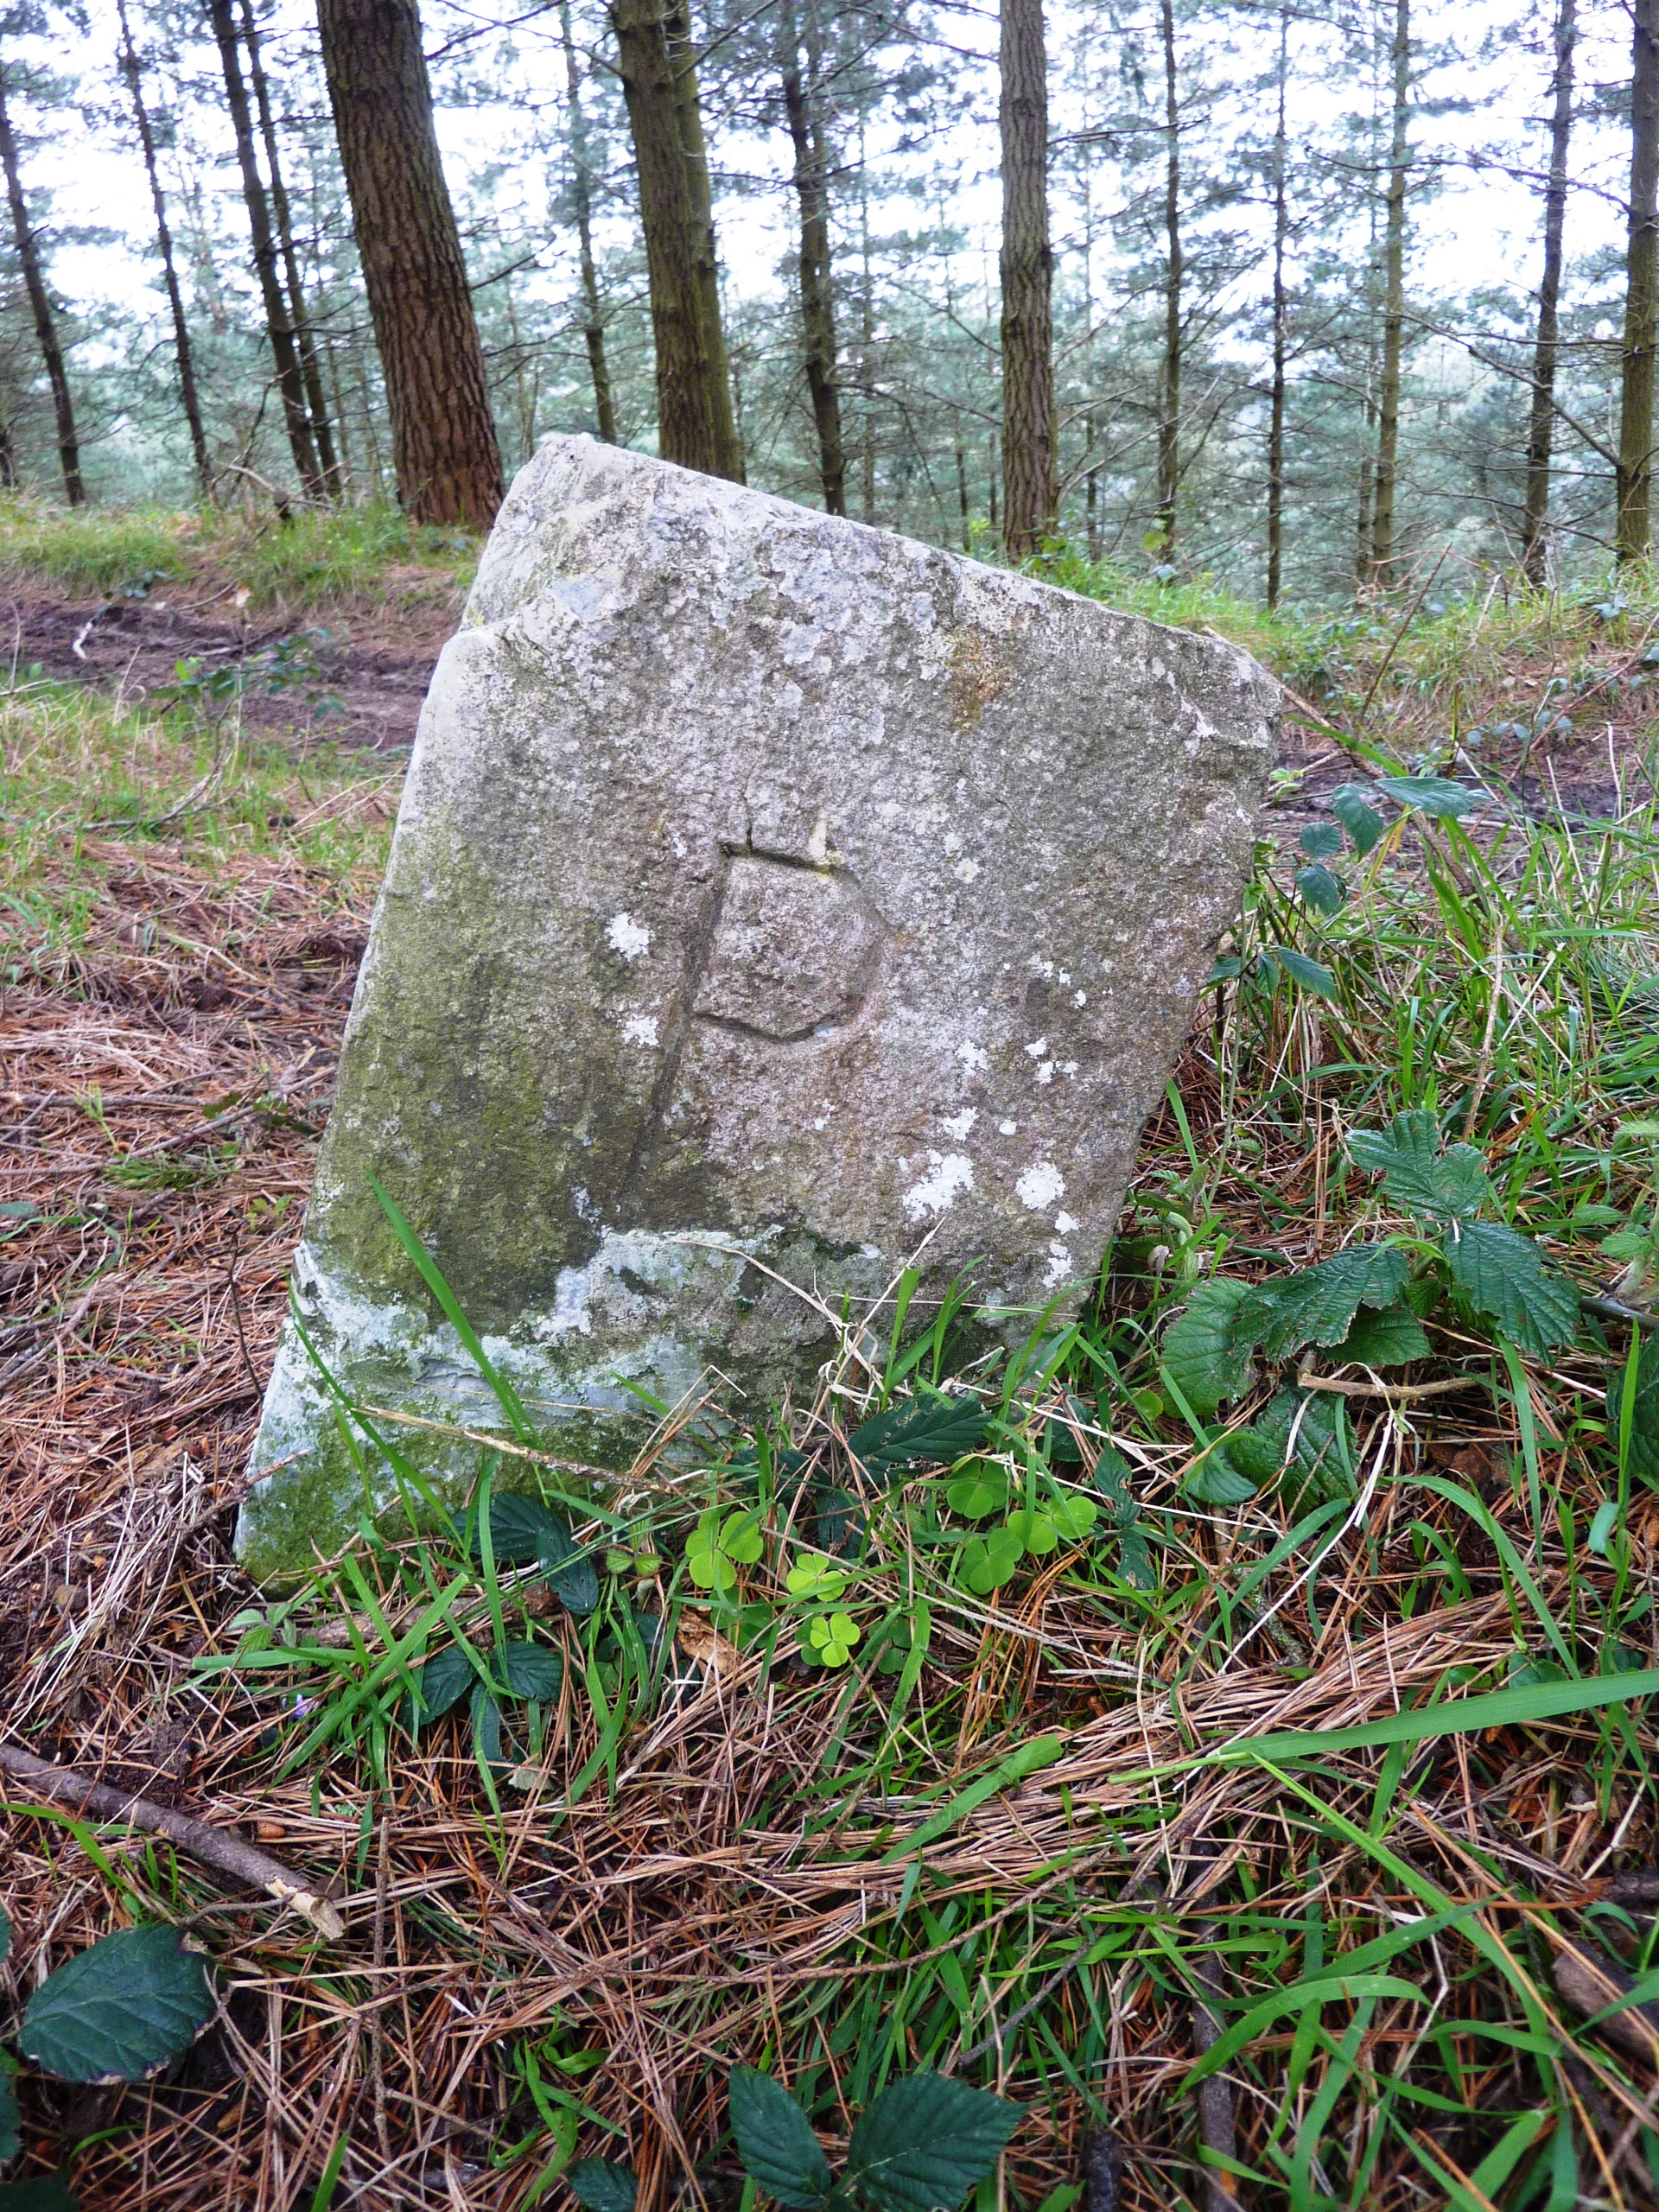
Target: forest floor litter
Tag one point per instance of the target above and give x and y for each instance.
(1036, 1855)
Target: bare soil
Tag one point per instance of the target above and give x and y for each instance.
(354, 675)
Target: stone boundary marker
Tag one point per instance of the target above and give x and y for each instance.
(773, 902)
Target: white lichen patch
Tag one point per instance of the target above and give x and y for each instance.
(1060, 1265)
(1039, 1186)
(623, 935)
(959, 1125)
(973, 1056)
(1066, 1223)
(640, 1029)
(949, 1174)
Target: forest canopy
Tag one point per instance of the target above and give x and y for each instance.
(1289, 294)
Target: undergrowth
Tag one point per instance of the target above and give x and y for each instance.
(1247, 1683)
(311, 557)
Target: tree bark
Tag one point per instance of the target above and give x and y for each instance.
(1030, 470)
(1169, 380)
(593, 327)
(817, 295)
(444, 452)
(1641, 293)
(1281, 328)
(694, 402)
(40, 303)
(183, 352)
(310, 375)
(677, 28)
(1394, 308)
(1534, 528)
(290, 385)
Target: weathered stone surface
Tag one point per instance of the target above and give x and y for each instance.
(770, 897)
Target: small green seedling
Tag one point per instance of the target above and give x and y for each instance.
(717, 1549)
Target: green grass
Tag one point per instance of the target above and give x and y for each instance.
(1387, 2028)
(1330, 1750)
(317, 557)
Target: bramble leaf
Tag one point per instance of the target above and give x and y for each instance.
(1316, 1304)
(131, 2002)
(1503, 1277)
(775, 2141)
(917, 1430)
(1319, 840)
(603, 2185)
(1393, 1338)
(1449, 1186)
(1320, 889)
(1312, 974)
(1205, 1354)
(1361, 822)
(926, 2142)
(1435, 795)
(442, 1681)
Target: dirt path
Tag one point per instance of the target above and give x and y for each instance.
(357, 677)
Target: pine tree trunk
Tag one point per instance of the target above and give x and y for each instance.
(445, 456)
(1169, 379)
(310, 375)
(817, 295)
(1280, 330)
(1030, 469)
(290, 385)
(677, 30)
(693, 417)
(1394, 309)
(867, 341)
(1642, 295)
(40, 303)
(183, 353)
(593, 327)
(1534, 528)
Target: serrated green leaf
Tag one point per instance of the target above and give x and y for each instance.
(1217, 1481)
(1320, 889)
(1503, 1277)
(1393, 1338)
(926, 2142)
(1449, 1186)
(1316, 1305)
(1321, 841)
(572, 1577)
(1352, 808)
(529, 1670)
(914, 1432)
(779, 2152)
(601, 2184)
(443, 1682)
(517, 1521)
(131, 2002)
(39, 2193)
(1312, 974)
(1134, 1559)
(1206, 1357)
(1435, 795)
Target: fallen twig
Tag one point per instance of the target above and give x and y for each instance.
(1395, 1393)
(216, 1847)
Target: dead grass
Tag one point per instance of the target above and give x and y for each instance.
(742, 1886)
